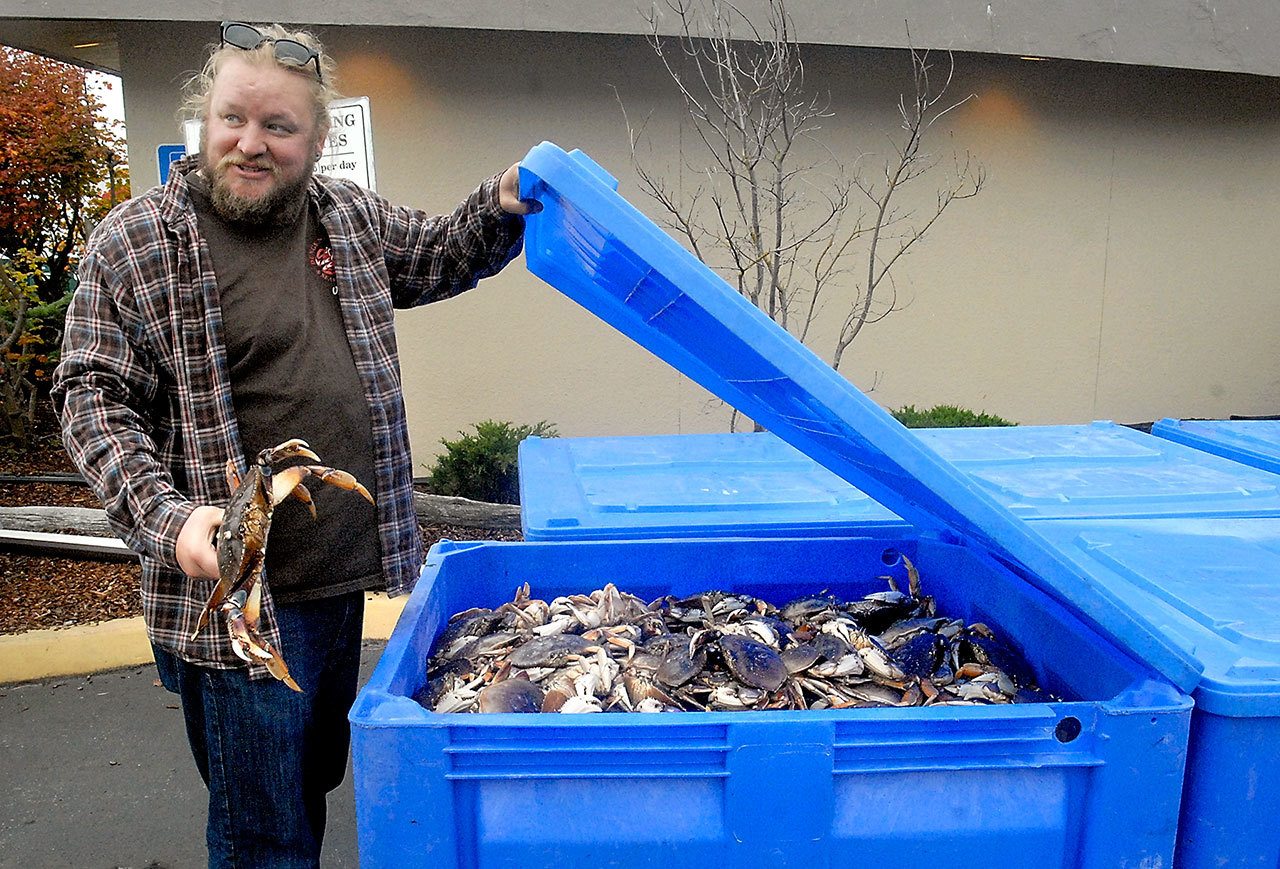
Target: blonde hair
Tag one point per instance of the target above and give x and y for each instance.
(199, 87)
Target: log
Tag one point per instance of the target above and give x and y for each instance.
(465, 513)
(88, 521)
(67, 545)
(431, 510)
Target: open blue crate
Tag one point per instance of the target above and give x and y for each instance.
(1254, 442)
(755, 484)
(1094, 780)
(1090, 781)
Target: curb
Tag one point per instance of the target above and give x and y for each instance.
(123, 643)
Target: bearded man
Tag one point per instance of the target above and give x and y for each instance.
(245, 302)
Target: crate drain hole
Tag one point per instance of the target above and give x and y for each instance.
(1068, 729)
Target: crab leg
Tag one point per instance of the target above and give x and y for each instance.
(289, 482)
(233, 476)
(253, 605)
(339, 478)
(216, 597)
(913, 578)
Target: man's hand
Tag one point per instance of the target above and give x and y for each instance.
(509, 193)
(197, 552)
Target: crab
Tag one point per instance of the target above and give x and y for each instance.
(242, 545)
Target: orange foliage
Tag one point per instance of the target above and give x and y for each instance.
(60, 170)
(54, 155)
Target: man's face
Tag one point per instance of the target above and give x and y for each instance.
(260, 141)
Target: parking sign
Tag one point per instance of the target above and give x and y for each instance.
(166, 156)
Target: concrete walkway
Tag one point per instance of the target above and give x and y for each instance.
(95, 768)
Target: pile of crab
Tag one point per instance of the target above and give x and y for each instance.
(609, 651)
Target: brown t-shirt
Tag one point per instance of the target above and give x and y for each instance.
(293, 376)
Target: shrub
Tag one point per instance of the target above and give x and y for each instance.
(945, 416)
(30, 331)
(482, 465)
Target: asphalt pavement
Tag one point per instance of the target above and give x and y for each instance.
(96, 774)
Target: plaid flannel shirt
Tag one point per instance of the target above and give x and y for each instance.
(143, 390)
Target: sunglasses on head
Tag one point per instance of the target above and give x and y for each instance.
(288, 51)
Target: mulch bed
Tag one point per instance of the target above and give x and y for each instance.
(42, 592)
(45, 592)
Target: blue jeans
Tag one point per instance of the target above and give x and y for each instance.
(270, 755)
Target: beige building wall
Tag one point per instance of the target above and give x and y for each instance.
(1120, 262)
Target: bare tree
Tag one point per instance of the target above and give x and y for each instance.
(774, 210)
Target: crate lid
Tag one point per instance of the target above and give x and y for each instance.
(1209, 582)
(1103, 470)
(753, 483)
(599, 250)
(1254, 442)
(694, 485)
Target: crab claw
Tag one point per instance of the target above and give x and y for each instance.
(246, 643)
(238, 625)
(287, 450)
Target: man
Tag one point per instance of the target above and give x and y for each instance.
(247, 302)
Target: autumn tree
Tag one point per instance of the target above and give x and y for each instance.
(773, 208)
(56, 159)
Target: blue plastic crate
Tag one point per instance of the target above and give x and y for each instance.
(940, 786)
(904, 786)
(1254, 442)
(1214, 584)
(755, 484)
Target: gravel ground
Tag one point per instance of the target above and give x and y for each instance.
(40, 592)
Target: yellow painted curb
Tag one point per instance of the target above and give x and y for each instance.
(65, 652)
(123, 643)
(381, 614)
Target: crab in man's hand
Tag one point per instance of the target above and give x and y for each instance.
(242, 545)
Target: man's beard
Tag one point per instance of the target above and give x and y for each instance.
(279, 206)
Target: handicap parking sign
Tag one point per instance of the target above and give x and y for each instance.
(166, 156)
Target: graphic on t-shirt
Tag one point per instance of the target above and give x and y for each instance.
(321, 258)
